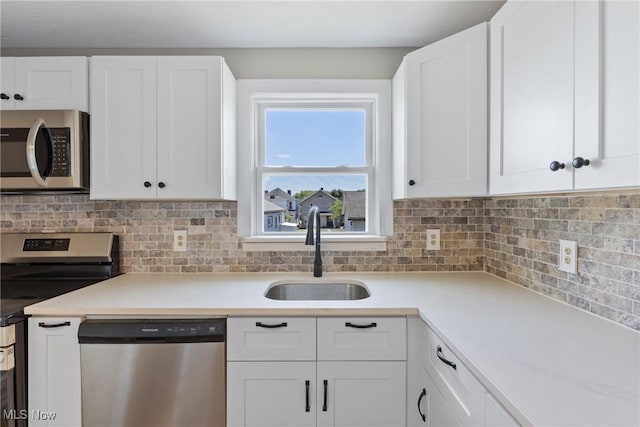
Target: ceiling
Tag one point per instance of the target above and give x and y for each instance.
(236, 24)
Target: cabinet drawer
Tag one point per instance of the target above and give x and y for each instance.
(271, 338)
(462, 391)
(362, 338)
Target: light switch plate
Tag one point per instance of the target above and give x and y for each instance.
(433, 240)
(180, 240)
(569, 256)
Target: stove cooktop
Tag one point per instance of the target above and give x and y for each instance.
(16, 294)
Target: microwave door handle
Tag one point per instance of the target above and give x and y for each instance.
(31, 151)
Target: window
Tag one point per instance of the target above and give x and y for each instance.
(314, 143)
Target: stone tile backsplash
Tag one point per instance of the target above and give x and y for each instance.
(515, 238)
(521, 245)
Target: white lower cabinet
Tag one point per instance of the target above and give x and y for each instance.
(441, 390)
(361, 393)
(271, 394)
(54, 372)
(344, 386)
(429, 405)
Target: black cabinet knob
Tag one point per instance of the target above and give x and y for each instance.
(579, 162)
(18, 97)
(161, 184)
(147, 184)
(412, 182)
(556, 165)
(4, 96)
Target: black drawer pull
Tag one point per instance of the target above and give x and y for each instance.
(265, 325)
(307, 407)
(54, 325)
(443, 359)
(353, 325)
(422, 396)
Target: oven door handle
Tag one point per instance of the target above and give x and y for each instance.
(31, 150)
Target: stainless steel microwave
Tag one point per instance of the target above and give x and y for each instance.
(44, 150)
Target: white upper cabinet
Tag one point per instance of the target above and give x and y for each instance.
(123, 127)
(608, 98)
(45, 83)
(440, 119)
(162, 128)
(564, 89)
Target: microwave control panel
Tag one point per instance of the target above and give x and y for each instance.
(61, 141)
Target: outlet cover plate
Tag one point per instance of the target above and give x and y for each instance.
(180, 240)
(433, 240)
(568, 256)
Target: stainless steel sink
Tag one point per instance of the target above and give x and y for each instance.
(317, 291)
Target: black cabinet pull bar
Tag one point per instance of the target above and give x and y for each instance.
(422, 396)
(266, 325)
(54, 325)
(307, 407)
(325, 385)
(443, 359)
(354, 325)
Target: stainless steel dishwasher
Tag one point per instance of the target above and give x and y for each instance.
(153, 372)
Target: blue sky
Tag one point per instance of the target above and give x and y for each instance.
(315, 138)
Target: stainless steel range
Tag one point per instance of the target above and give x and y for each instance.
(36, 267)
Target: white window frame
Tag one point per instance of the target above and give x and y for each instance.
(256, 95)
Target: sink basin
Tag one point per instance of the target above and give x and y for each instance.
(317, 291)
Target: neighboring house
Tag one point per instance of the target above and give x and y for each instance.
(285, 200)
(273, 216)
(323, 201)
(354, 209)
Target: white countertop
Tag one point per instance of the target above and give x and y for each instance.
(548, 363)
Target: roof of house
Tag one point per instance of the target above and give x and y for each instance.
(354, 204)
(269, 207)
(324, 193)
(278, 193)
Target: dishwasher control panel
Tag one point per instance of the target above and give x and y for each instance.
(108, 331)
(178, 329)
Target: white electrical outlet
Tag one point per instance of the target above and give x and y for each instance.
(180, 240)
(569, 256)
(433, 240)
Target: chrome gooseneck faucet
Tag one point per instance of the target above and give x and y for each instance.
(313, 222)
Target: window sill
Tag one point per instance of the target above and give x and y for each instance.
(329, 243)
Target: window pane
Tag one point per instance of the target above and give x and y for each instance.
(341, 199)
(314, 137)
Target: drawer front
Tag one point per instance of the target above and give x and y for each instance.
(462, 391)
(271, 338)
(362, 338)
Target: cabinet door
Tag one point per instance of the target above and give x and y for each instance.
(607, 94)
(54, 83)
(446, 117)
(277, 394)
(532, 77)
(361, 394)
(54, 372)
(189, 127)
(6, 83)
(123, 127)
(437, 412)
